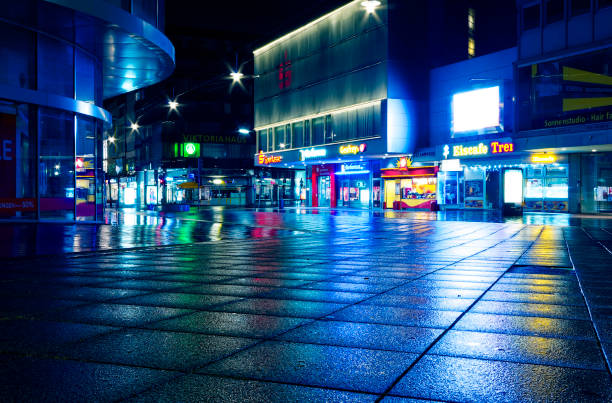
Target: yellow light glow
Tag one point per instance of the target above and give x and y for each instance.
(218, 181)
(543, 158)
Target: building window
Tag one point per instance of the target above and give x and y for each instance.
(554, 10)
(279, 138)
(471, 21)
(17, 46)
(471, 47)
(262, 140)
(318, 130)
(531, 17)
(298, 134)
(55, 67)
(581, 6)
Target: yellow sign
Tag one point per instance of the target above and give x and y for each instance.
(543, 158)
(188, 185)
(352, 149)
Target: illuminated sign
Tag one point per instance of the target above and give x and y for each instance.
(268, 159)
(352, 149)
(284, 73)
(312, 153)
(477, 110)
(190, 149)
(403, 162)
(451, 165)
(480, 149)
(543, 158)
(353, 169)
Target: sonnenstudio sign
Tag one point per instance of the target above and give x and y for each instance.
(215, 139)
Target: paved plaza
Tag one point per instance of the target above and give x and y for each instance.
(307, 305)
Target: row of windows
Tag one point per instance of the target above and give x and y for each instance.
(348, 125)
(554, 10)
(39, 62)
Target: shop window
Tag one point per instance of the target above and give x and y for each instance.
(531, 17)
(554, 10)
(288, 137)
(18, 162)
(17, 45)
(581, 6)
(56, 165)
(55, 67)
(85, 165)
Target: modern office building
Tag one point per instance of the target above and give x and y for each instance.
(529, 126)
(60, 60)
(342, 102)
(564, 107)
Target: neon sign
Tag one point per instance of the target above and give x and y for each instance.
(543, 158)
(480, 149)
(312, 153)
(352, 149)
(284, 73)
(268, 159)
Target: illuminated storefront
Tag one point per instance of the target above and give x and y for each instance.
(409, 187)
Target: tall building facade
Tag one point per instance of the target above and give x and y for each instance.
(61, 59)
(342, 103)
(564, 107)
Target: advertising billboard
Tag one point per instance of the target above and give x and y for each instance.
(477, 110)
(566, 92)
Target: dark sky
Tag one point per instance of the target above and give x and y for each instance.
(260, 21)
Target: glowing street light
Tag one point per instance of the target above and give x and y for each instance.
(236, 76)
(243, 131)
(134, 126)
(111, 139)
(173, 105)
(370, 5)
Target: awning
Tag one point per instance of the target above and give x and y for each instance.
(188, 185)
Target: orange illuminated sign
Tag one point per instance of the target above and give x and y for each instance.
(543, 158)
(268, 159)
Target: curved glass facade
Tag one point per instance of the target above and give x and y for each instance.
(51, 116)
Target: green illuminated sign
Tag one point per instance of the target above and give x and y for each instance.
(189, 150)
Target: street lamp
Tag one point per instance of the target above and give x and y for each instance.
(173, 105)
(370, 5)
(134, 126)
(243, 131)
(236, 76)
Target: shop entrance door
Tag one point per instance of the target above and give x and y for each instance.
(324, 191)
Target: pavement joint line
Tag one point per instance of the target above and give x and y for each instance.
(239, 378)
(606, 358)
(437, 339)
(348, 305)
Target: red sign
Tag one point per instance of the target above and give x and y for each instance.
(500, 148)
(8, 156)
(13, 205)
(284, 73)
(268, 159)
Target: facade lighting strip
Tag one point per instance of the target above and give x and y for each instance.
(321, 114)
(302, 28)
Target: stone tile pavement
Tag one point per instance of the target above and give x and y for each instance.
(327, 309)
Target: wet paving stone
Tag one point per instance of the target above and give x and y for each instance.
(529, 326)
(332, 306)
(230, 324)
(466, 379)
(583, 354)
(156, 349)
(396, 316)
(200, 388)
(315, 365)
(53, 380)
(364, 335)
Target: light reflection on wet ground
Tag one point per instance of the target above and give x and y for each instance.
(308, 305)
(129, 228)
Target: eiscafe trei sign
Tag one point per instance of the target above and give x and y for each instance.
(478, 149)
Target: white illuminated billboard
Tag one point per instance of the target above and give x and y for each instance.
(476, 110)
(513, 186)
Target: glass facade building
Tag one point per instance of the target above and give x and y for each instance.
(61, 59)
